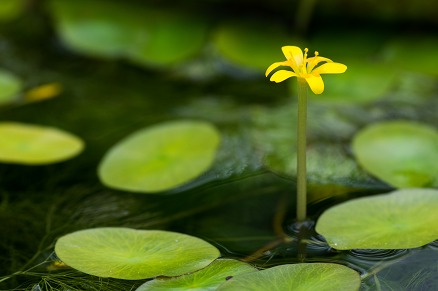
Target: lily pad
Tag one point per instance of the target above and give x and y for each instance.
(399, 220)
(132, 254)
(297, 277)
(97, 28)
(402, 153)
(160, 157)
(123, 30)
(172, 38)
(251, 44)
(10, 85)
(36, 145)
(206, 279)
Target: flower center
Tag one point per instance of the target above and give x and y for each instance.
(311, 65)
(303, 66)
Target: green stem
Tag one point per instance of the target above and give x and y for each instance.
(301, 150)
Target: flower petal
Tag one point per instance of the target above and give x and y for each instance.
(315, 83)
(295, 54)
(314, 61)
(282, 75)
(330, 68)
(273, 66)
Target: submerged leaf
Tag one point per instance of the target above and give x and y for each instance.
(206, 279)
(131, 254)
(160, 157)
(36, 145)
(398, 220)
(297, 277)
(401, 153)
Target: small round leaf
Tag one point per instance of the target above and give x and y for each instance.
(297, 277)
(160, 157)
(399, 220)
(36, 145)
(402, 153)
(206, 279)
(131, 254)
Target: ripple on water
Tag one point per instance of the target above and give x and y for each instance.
(376, 255)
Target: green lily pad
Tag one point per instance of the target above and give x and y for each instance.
(402, 153)
(206, 279)
(132, 254)
(160, 157)
(362, 82)
(297, 277)
(399, 220)
(124, 30)
(10, 85)
(36, 145)
(97, 28)
(251, 44)
(399, 52)
(172, 38)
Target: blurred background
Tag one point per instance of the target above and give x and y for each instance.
(102, 69)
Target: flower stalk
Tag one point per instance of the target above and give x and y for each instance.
(308, 71)
(301, 151)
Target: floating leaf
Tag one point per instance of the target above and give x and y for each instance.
(131, 254)
(10, 85)
(206, 279)
(401, 153)
(138, 33)
(251, 44)
(172, 37)
(398, 220)
(160, 157)
(36, 145)
(299, 277)
(97, 28)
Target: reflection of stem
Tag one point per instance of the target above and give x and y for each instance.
(269, 246)
(303, 15)
(301, 150)
(280, 214)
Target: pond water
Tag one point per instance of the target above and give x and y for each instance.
(241, 205)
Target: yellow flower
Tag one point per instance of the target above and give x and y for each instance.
(305, 68)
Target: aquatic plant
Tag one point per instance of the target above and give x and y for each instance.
(308, 71)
